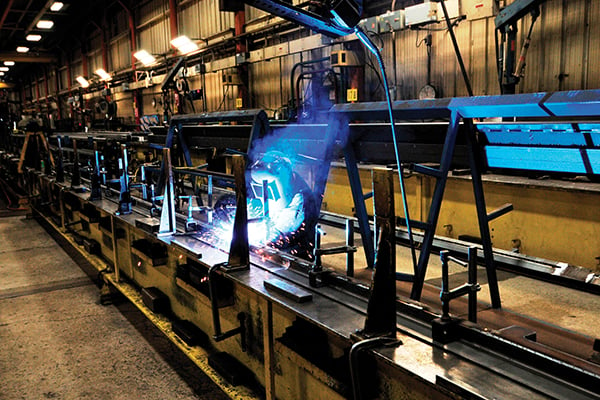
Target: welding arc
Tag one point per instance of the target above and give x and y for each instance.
(364, 38)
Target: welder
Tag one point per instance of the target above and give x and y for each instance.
(285, 216)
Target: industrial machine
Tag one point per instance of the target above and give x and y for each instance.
(215, 228)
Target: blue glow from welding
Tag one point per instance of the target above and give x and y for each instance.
(292, 178)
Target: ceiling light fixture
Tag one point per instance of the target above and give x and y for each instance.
(4, 69)
(184, 44)
(1, 73)
(45, 24)
(82, 81)
(22, 49)
(105, 76)
(34, 38)
(9, 63)
(56, 6)
(144, 57)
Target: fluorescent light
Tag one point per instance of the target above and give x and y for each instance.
(9, 63)
(4, 69)
(184, 44)
(22, 49)
(105, 76)
(56, 6)
(34, 38)
(82, 81)
(45, 24)
(144, 57)
(1, 73)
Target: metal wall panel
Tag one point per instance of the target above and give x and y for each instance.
(94, 62)
(76, 70)
(120, 53)
(64, 79)
(155, 38)
(592, 70)
(202, 19)
(573, 46)
(152, 9)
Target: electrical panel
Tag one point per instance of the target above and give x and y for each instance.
(392, 21)
(430, 12)
(344, 58)
(477, 9)
(231, 78)
(370, 24)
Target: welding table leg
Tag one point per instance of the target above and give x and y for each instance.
(482, 216)
(115, 249)
(359, 204)
(381, 309)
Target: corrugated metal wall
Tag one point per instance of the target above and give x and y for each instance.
(202, 19)
(564, 54)
(120, 52)
(153, 27)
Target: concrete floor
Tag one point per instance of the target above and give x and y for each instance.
(58, 342)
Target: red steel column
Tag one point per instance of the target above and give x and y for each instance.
(240, 47)
(173, 18)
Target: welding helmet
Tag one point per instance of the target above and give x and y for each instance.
(276, 169)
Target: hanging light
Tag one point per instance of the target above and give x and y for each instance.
(144, 57)
(56, 6)
(105, 76)
(45, 24)
(82, 81)
(184, 44)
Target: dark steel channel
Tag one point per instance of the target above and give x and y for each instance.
(520, 264)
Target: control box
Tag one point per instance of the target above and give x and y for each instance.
(392, 21)
(430, 12)
(478, 9)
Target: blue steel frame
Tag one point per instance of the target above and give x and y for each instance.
(547, 107)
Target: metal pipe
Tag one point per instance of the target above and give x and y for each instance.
(354, 364)
(373, 49)
(473, 284)
(210, 199)
(457, 50)
(350, 243)
(318, 233)
(301, 64)
(444, 257)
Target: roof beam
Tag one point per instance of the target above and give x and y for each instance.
(6, 11)
(34, 57)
